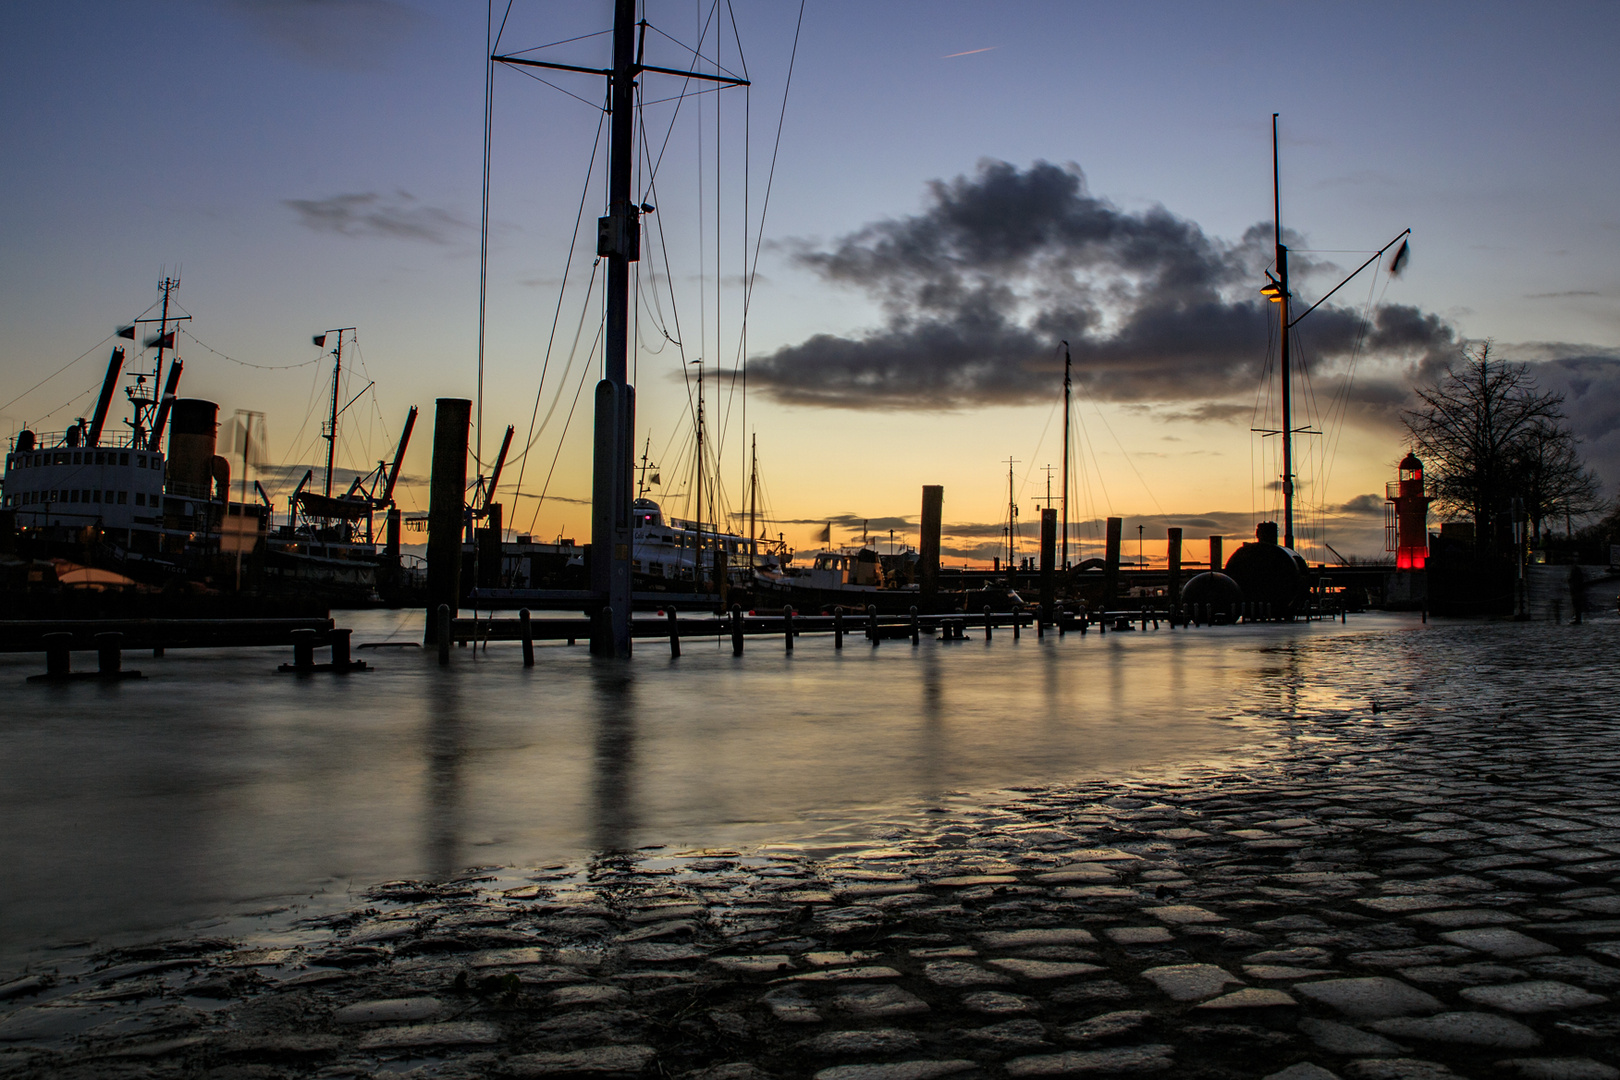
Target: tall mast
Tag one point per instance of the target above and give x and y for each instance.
(641, 484)
(1067, 365)
(753, 486)
(331, 427)
(1012, 523)
(697, 558)
(618, 241)
(1281, 301)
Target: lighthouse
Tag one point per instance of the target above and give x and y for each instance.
(1406, 516)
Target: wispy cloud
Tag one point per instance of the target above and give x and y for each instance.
(970, 52)
(332, 33)
(368, 214)
(1566, 295)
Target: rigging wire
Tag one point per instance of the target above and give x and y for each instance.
(244, 363)
(59, 371)
(583, 375)
(483, 222)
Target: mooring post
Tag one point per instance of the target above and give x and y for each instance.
(1172, 589)
(838, 627)
(933, 501)
(526, 628)
(58, 653)
(987, 622)
(109, 653)
(1116, 527)
(1048, 564)
(916, 627)
(303, 643)
(442, 630)
(787, 625)
(871, 624)
(1018, 619)
(340, 648)
(736, 630)
(447, 504)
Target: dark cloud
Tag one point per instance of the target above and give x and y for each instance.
(979, 288)
(332, 33)
(1364, 504)
(399, 217)
(1589, 378)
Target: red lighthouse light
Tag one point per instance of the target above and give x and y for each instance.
(1406, 517)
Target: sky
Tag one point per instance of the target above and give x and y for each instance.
(940, 195)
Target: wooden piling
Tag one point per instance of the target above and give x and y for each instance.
(441, 625)
(1018, 619)
(787, 626)
(1116, 528)
(916, 627)
(1048, 563)
(736, 630)
(526, 626)
(933, 502)
(872, 624)
(987, 622)
(446, 508)
(838, 627)
(1172, 592)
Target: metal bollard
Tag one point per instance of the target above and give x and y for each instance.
(109, 652)
(526, 628)
(674, 634)
(787, 625)
(838, 627)
(444, 635)
(916, 627)
(987, 622)
(340, 649)
(736, 630)
(58, 653)
(303, 643)
(871, 624)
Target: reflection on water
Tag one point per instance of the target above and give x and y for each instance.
(217, 784)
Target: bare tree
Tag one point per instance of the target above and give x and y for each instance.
(1489, 436)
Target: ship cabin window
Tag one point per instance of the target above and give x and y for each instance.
(140, 461)
(140, 498)
(61, 459)
(95, 496)
(157, 462)
(101, 458)
(123, 459)
(122, 496)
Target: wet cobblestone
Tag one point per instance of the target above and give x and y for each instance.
(1423, 890)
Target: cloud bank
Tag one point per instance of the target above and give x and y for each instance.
(980, 287)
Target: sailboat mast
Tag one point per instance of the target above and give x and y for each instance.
(331, 431)
(1287, 388)
(1067, 386)
(697, 557)
(753, 488)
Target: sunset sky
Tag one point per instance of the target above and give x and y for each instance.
(959, 186)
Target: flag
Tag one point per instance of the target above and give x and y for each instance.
(319, 340)
(1398, 263)
(127, 331)
(826, 534)
(161, 341)
(655, 479)
(247, 437)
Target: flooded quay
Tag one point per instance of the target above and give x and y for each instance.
(1381, 849)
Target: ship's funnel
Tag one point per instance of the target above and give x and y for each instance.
(193, 430)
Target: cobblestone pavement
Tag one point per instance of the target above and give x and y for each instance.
(1409, 881)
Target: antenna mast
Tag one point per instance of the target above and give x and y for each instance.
(330, 427)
